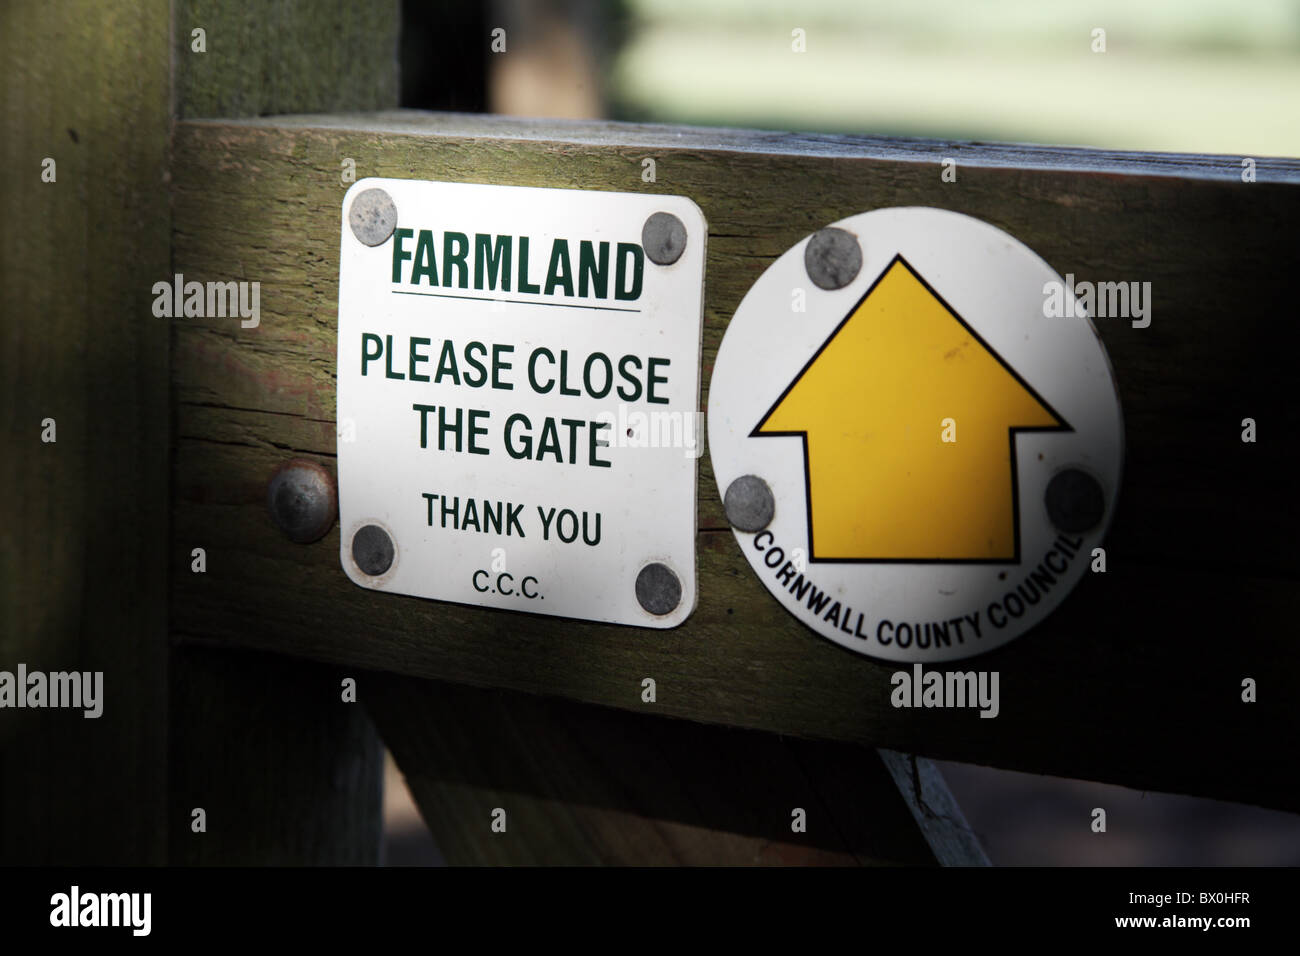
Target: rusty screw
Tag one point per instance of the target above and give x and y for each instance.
(664, 238)
(833, 258)
(372, 550)
(749, 504)
(1075, 502)
(302, 499)
(373, 216)
(657, 589)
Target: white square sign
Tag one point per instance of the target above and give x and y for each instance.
(518, 397)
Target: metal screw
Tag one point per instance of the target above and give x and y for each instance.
(373, 216)
(657, 589)
(302, 500)
(664, 238)
(833, 258)
(372, 550)
(1074, 501)
(749, 503)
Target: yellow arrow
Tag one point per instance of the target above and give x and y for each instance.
(871, 404)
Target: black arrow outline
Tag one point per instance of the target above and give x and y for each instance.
(1012, 431)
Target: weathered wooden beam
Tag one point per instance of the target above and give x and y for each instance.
(285, 56)
(584, 785)
(83, 519)
(1134, 679)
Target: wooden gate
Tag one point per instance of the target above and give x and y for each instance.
(223, 687)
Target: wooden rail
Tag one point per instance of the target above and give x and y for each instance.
(1135, 679)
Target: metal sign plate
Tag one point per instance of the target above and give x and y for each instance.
(916, 461)
(518, 397)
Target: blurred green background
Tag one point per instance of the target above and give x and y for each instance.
(1177, 75)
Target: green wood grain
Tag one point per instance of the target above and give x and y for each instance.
(1134, 679)
(83, 539)
(285, 56)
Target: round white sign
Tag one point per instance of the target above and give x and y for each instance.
(917, 452)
